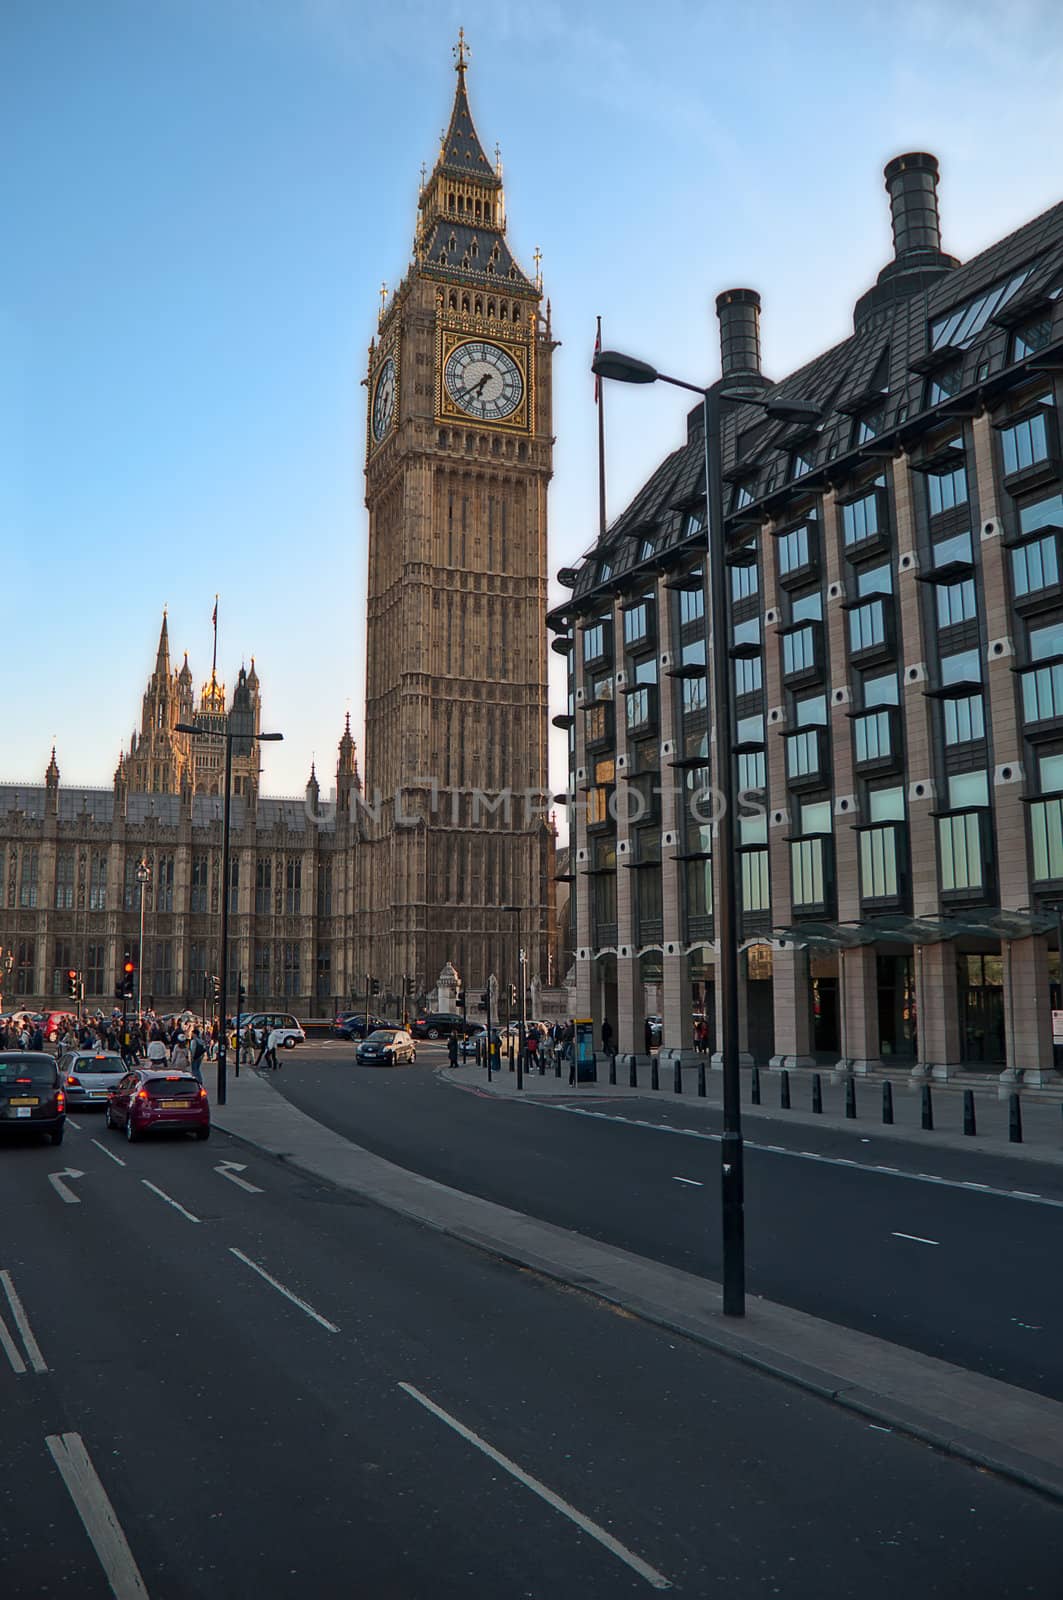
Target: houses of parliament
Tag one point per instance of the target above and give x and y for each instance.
(322, 893)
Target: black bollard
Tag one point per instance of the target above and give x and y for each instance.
(784, 1088)
(701, 1080)
(1014, 1119)
(817, 1093)
(754, 1093)
(520, 1069)
(655, 1076)
(850, 1097)
(633, 1074)
(677, 1076)
(612, 1069)
(557, 1063)
(928, 1108)
(969, 1126)
(887, 1101)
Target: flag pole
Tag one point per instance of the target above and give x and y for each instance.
(599, 398)
(214, 662)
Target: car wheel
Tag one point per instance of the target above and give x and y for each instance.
(130, 1132)
(413, 1055)
(202, 1133)
(433, 1033)
(289, 1044)
(107, 1121)
(57, 1136)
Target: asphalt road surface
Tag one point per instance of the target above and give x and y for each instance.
(908, 1254)
(220, 1379)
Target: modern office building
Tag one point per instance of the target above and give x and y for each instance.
(895, 643)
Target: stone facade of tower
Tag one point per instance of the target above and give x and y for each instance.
(459, 450)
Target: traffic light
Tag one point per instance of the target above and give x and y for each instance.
(128, 973)
(375, 986)
(459, 999)
(513, 997)
(241, 996)
(215, 989)
(485, 1001)
(72, 983)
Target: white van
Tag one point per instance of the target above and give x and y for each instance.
(289, 1027)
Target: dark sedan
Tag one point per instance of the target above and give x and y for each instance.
(441, 1024)
(32, 1099)
(386, 1047)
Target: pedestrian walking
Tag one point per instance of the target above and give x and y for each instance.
(607, 1036)
(197, 1049)
(179, 1056)
(262, 1041)
(452, 1049)
(272, 1043)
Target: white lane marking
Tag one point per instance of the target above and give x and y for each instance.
(10, 1349)
(33, 1349)
(170, 1201)
(693, 1182)
(65, 1194)
(655, 1579)
(287, 1293)
(914, 1237)
(229, 1169)
(97, 1514)
(107, 1152)
(796, 1155)
(72, 1124)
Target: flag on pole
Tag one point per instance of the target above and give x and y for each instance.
(214, 617)
(597, 353)
(601, 433)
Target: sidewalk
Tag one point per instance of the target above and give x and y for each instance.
(992, 1424)
(1041, 1111)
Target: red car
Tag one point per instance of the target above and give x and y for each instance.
(152, 1101)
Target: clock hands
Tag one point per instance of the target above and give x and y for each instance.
(478, 388)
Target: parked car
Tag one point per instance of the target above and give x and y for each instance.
(354, 1025)
(290, 1029)
(149, 1101)
(89, 1075)
(386, 1047)
(441, 1024)
(32, 1098)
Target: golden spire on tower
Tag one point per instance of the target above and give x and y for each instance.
(461, 52)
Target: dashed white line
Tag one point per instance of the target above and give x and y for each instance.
(693, 1182)
(107, 1152)
(33, 1349)
(170, 1201)
(915, 1238)
(655, 1579)
(10, 1349)
(97, 1514)
(798, 1155)
(72, 1124)
(287, 1293)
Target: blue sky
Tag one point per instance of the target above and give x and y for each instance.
(201, 198)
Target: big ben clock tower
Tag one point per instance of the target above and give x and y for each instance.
(458, 460)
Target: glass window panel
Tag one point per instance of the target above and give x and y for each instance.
(964, 720)
(754, 829)
(958, 548)
(744, 582)
(1035, 566)
(1051, 774)
(811, 712)
(802, 754)
(878, 863)
(691, 604)
(793, 550)
(747, 632)
(873, 741)
(751, 774)
(882, 690)
(960, 326)
(960, 852)
(867, 626)
(875, 580)
(799, 651)
(748, 675)
(816, 817)
(645, 671)
(695, 693)
(1025, 443)
(1047, 641)
(860, 519)
(945, 490)
(1046, 830)
(807, 607)
(750, 728)
(755, 880)
(1030, 337)
(806, 872)
(1042, 694)
(886, 805)
(955, 603)
(968, 789)
(1042, 513)
(964, 666)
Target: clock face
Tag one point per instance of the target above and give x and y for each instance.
(384, 400)
(483, 380)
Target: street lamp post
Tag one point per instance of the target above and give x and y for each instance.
(626, 369)
(143, 878)
(515, 912)
(228, 733)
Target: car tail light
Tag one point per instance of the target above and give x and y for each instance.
(60, 1100)
(142, 1094)
(75, 1082)
(203, 1094)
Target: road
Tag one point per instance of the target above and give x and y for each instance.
(214, 1388)
(956, 1273)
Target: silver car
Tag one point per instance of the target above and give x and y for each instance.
(87, 1075)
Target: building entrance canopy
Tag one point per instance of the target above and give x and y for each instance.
(899, 929)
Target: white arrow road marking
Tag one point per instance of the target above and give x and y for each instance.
(97, 1514)
(229, 1169)
(56, 1181)
(287, 1293)
(655, 1579)
(914, 1237)
(693, 1182)
(170, 1201)
(33, 1349)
